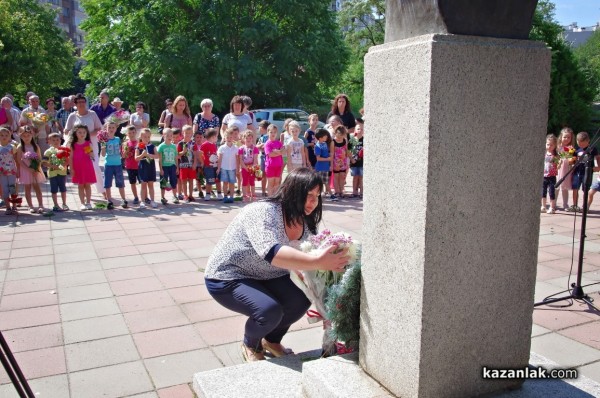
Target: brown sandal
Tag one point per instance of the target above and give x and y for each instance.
(270, 347)
(251, 355)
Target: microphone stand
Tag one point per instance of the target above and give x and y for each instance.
(577, 292)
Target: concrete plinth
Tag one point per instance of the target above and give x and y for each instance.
(455, 132)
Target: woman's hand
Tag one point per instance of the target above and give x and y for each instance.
(334, 259)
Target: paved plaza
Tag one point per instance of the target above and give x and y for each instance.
(112, 303)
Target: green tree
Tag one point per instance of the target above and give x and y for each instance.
(363, 25)
(570, 91)
(280, 52)
(588, 55)
(35, 55)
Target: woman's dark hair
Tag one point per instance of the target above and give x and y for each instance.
(168, 102)
(322, 133)
(236, 100)
(334, 106)
(73, 137)
(140, 103)
(292, 194)
(78, 97)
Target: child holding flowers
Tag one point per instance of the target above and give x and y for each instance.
(29, 161)
(81, 162)
(551, 161)
(56, 158)
(131, 165)
(248, 158)
(187, 173)
(8, 170)
(111, 149)
(145, 153)
(167, 163)
(566, 151)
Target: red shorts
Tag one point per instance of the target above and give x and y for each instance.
(247, 178)
(187, 174)
(273, 171)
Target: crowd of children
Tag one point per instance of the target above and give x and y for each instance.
(564, 162)
(180, 159)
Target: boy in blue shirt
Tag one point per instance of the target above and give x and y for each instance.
(323, 154)
(113, 166)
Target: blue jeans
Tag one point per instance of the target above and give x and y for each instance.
(272, 305)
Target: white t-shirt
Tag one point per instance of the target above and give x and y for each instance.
(296, 150)
(137, 120)
(240, 121)
(92, 121)
(229, 156)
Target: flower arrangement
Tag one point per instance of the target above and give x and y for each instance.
(321, 287)
(34, 160)
(119, 117)
(567, 152)
(88, 149)
(102, 137)
(142, 147)
(38, 118)
(255, 169)
(59, 157)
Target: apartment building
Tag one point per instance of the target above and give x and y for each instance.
(70, 16)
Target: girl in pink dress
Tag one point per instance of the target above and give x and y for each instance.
(565, 140)
(82, 164)
(29, 161)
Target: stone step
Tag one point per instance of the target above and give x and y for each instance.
(273, 378)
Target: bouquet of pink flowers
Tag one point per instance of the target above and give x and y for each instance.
(119, 117)
(34, 160)
(316, 284)
(102, 137)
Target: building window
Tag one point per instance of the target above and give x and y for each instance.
(66, 11)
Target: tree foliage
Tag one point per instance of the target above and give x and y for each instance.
(570, 91)
(277, 51)
(35, 55)
(363, 25)
(588, 55)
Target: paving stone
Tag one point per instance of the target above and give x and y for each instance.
(75, 257)
(51, 387)
(174, 267)
(566, 352)
(94, 328)
(134, 286)
(158, 318)
(206, 310)
(33, 338)
(120, 262)
(82, 293)
(189, 293)
(180, 391)
(39, 363)
(27, 300)
(168, 341)
(98, 353)
(174, 255)
(144, 301)
(171, 370)
(119, 274)
(222, 331)
(77, 267)
(29, 285)
(588, 334)
(88, 309)
(29, 317)
(81, 279)
(109, 381)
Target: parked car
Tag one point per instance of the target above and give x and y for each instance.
(277, 116)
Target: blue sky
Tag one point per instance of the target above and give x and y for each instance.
(584, 12)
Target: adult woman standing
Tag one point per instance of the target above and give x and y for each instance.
(139, 119)
(166, 112)
(181, 114)
(248, 270)
(237, 117)
(341, 107)
(206, 119)
(83, 115)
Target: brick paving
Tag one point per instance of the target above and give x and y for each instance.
(89, 297)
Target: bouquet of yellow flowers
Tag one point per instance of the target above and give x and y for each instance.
(37, 118)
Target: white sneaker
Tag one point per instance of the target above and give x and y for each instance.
(551, 210)
(207, 198)
(142, 205)
(153, 204)
(83, 207)
(543, 209)
(219, 196)
(88, 206)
